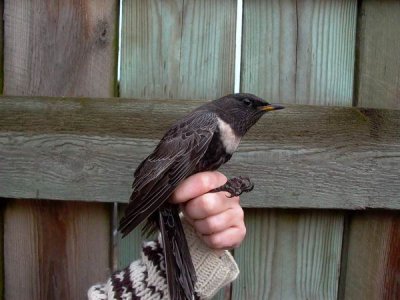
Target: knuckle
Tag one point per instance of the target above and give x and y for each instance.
(206, 204)
(206, 181)
(190, 209)
(211, 180)
(241, 233)
(220, 178)
(211, 225)
(215, 241)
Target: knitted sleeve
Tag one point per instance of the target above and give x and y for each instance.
(146, 279)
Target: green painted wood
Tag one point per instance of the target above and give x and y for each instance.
(177, 49)
(373, 266)
(87, 149)
(223, 294)
(299, 51)
(171, 49)
(289, 255)
(378, 73)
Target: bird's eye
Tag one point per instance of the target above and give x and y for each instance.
(247, 102)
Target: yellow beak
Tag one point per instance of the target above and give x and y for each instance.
(270, 107)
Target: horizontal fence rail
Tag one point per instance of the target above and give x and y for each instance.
(300, 157)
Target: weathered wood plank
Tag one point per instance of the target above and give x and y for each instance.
(171, 49)
(54, 250)
(58, 48)
(299, 51)
(371, 267)
(303, 156)
(177, 49)
(373, 264)
(1, 51)
(3, 205)
(302, 52)
(289, 255)
(65, 48)
(378, 52)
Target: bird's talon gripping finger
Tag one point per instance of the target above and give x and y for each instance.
(235, 186)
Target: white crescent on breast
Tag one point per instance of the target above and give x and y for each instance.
(228, 137)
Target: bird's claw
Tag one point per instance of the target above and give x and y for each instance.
(235, 186)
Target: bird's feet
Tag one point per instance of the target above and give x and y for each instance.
(235, 186)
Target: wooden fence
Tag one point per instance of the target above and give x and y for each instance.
(323, 221)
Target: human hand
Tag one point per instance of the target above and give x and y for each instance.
(218, 220)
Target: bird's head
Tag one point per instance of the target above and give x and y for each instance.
(242, 110)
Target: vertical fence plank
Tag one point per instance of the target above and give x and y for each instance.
(295, 52)
(373, 264)
(2, 206)
(60, 49)
(175, 49)
(269, 49)
(1, 46)
(178, 49)
(54, 249)
(378, 79)
(65, 48)
(288, 255)
(299, 51)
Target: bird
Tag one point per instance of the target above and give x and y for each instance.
(201, 141)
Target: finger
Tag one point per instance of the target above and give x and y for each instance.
(220, 222)
(227, 239)
(197, 185)
(187, 217)
(208, 205)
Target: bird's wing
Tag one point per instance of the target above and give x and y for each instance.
(174, 159)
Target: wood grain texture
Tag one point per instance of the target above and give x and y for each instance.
(1, 50)
(378, 74)
(87, 149)
(177, 49)
(60, 48)
(299, 51)
(373, 263)
(170, 49)
(371, 268)
(54, 250)
(289, 255)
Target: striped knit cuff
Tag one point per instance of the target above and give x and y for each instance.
(214, 268)
(146, 278)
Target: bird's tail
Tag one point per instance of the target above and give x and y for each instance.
(181, 275)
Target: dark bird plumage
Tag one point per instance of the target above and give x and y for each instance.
(203, 140)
